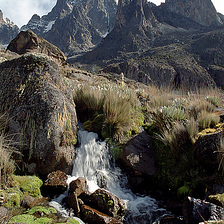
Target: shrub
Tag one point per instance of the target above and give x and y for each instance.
(175, 114)
(214, 100)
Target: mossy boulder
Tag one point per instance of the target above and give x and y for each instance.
(29, 185)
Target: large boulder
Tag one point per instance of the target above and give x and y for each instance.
(42, 113)
(28, 41)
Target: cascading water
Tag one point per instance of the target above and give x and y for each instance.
(93, 161)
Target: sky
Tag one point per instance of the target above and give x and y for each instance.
(20, 11)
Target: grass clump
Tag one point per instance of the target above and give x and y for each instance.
(108, 110)
(207, 120)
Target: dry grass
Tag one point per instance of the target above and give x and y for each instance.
(7, 164)
(207, 120)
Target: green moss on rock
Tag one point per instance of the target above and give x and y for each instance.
(45, 210)
(29, 185)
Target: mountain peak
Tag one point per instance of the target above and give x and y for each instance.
(200, 11)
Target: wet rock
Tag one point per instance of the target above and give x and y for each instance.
(217, 199)
(78, 186)
(169, 219)
(93, 216)
(196, 210)
(55, 184)
(28, 41)
(74, 203)
(101, 180)
(108, 203)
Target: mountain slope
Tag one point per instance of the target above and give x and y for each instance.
(75, 26)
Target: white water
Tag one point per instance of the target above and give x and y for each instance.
(93, 160)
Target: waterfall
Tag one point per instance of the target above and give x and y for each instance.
(93, 161)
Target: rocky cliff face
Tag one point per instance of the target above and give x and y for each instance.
(162, 45)
(7, 30)
(200, 11)
(75, 26)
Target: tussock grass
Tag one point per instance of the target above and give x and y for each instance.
(109, 105)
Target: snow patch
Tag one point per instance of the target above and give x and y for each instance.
(49, 26)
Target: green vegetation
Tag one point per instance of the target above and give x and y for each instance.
(174, 128)
(29, 185)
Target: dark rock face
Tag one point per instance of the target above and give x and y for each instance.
(7, 30)
(202, 12)
(134, 29)
(75, 26)
(172, 66)
(55, 184)
(43, 113)
(28, 41)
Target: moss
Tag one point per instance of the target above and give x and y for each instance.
(184, 191)
(29, 185)
(73, 221)
(28, 219)
(45, 210)
(110, 203)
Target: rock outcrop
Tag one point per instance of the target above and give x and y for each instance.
(8, 30)
(42, 111)
(28, 41)
(202, 12)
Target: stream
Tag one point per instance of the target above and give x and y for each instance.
(94, 162)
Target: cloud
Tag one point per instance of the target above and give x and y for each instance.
(20, 12)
